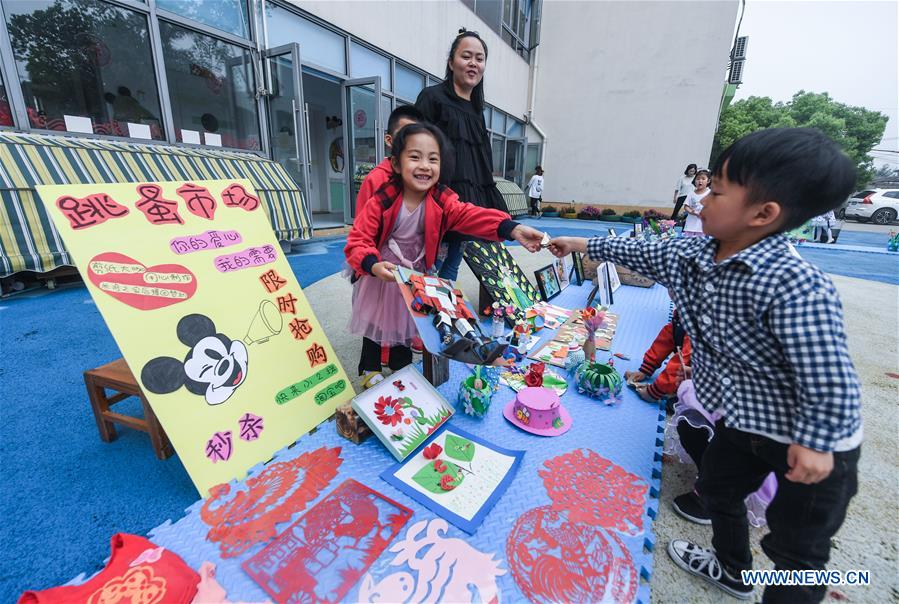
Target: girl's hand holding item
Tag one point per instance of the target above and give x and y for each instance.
(383, 270)
(528, 237)
(562, 246)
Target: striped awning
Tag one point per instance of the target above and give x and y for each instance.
(516, 202)
(28, 239)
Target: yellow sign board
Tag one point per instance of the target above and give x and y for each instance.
(208, 314)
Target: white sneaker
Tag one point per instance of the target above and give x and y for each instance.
(704, 563)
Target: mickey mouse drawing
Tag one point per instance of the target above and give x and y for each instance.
(214, 366)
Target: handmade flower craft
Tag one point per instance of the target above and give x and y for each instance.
(389, 411)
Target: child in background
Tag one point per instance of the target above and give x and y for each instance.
(769, 356)
(535, 191)
(672, 341)
(399, 117)
(693, 204)
(403, 224)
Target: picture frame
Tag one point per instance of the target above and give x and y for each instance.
(548, 282)
(603, 285)
(612, 233)
(614, 280)
(386, 406)
(563, 271)
(577, 261)
(500, 277)
(638, 229)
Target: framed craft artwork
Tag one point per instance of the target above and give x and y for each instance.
(457, 475)
(500, 276)
(612, 233)
(614, 280)
(577, 260)
(548, 282)
(403, 411)
(603, 285)
(564, 267)
(208, 314)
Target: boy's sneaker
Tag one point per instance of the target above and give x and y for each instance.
(704, 564)
(689, 506)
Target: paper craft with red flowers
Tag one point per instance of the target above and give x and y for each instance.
(457, 476)
(403, 412)
(324, 553)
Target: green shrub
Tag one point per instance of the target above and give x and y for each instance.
(546, 209)
(608, 212)
(632, 214)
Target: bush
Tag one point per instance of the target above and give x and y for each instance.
(589, 213)
(654, 214)
(632, 214)
(546, 209)
(608, 212)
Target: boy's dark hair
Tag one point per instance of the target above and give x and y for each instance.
(477, 94)
(446, 153)
(688, 168)
(403, 112)
(800, 169)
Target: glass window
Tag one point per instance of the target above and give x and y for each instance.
(365, 62)
(226, 15)
(386, 108)
(408, 82)
(497, 149)
(85, 66)
(5, 109)
(498, 122)
(487, 116)
(212, 87)
(514, 128)
(318, 45)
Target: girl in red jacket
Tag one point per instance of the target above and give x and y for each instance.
(403, 224)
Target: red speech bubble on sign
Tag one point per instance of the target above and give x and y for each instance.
(140, 286)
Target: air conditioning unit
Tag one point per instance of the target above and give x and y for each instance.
(739, 51)
(736, 72)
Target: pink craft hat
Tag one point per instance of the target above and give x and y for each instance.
(538, 410)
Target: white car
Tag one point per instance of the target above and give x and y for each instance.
(877, 205)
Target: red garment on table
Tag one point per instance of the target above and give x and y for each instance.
(665, 345)
(374, 181)
(138, 572)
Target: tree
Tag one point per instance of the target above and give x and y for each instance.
(856, 129)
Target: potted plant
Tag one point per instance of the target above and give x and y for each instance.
(633, 217)
(589, 213)
(569, 212)
(551, 211)
(609, 215)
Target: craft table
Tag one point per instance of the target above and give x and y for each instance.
(629, 435)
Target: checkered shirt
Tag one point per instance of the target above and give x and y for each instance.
(769, 350)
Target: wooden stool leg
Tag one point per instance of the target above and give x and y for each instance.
(160, 440)
(100, 404)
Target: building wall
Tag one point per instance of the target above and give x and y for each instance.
(420, 33)
(628, 95)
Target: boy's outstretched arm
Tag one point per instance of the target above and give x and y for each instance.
(654, 260)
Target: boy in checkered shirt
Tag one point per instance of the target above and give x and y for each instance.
(769, 355)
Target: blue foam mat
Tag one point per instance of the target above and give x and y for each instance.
(629, 434)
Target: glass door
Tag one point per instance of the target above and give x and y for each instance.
(363, 133)
(513, 167)
(287, 130)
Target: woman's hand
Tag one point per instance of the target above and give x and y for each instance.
(383, 270)
(562, 246)
(528, 237)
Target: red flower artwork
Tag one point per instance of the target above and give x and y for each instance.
(446, 483)
(595, 491)
(432, 451)
(556, 560)
(534, 376)
(389, 411)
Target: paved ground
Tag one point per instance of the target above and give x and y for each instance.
(868, 539)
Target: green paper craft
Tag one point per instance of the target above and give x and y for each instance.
(430, 479)
(499, 274)
(459, 448)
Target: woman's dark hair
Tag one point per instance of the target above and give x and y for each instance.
(800, 169)
(446, 152)
(689, 166)
(477, 95)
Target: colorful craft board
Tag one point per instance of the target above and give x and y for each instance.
(515, 381)
(500, 275)
(555, 351)
(457, 475)
(208, 314)
(554, 316)
(403, 411)
(564, 267)
(324, 553)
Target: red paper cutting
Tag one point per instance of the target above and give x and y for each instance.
(273, 496)
(556, 560)
(321, 556)
(593, 490)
